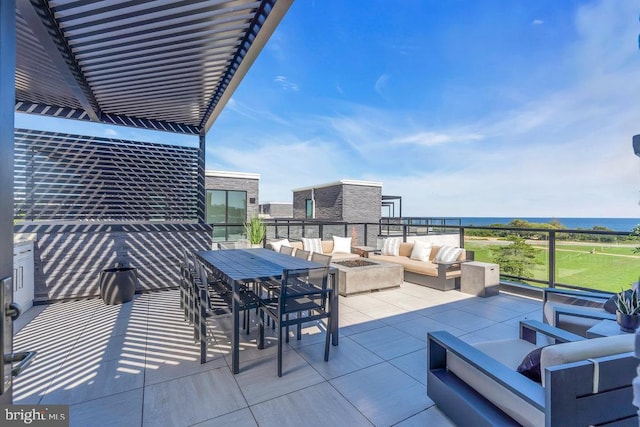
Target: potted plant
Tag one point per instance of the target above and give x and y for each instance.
(256, 231)
(628, 310)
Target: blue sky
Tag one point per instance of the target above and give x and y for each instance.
(463, 108)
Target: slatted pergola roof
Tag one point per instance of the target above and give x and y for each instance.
(156, 64)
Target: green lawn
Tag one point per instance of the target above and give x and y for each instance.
(610, 268)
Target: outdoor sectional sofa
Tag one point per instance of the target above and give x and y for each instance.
(444, 276)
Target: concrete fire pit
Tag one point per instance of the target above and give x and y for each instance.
(360, 275)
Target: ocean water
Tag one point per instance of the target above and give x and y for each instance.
(615, 224)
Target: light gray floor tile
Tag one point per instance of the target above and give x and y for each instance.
(519, 304)
(81, 379)
(193, 399)
(388, 342)
(259, 381)
(118, 410)
(491, 312)
(383, 393)
(385, 312)
(356, 322)
(462, 320)
(343, 359)
(161, 367)
(432, 417)
(27, 317)
(497, 332)
(402, 317)
(98, 357)
(413, 364)
(418, 328)
(320, 405)
(241, 418)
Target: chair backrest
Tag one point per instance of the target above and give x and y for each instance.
(303, 289)
(594, 396)
(301, 253)
(287, 250)
(320, 258)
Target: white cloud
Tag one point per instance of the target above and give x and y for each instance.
(381, 84)
(285, 84)
(284, 163)
(537, 22)
(429, 139)
(564, 151)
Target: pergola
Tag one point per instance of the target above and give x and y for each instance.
(164, 65)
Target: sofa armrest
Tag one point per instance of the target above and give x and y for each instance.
(447, 264)
(579, 311)
(529, 328)
(575, 293)
(441, 342)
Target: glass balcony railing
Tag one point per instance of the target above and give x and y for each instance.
(583, 259)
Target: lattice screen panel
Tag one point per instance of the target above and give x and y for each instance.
(68, 177)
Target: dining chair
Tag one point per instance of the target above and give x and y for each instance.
(301, 253)
(320, 258)
(287, 250)
(213, 298)
(186, 273)
(301, 290)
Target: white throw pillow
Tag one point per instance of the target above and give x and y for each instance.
(447, 254)
(391, 246)
(341, 245)
(312, 245)
(421, 250)
(275, 245)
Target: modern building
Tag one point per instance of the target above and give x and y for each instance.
(232, 198)
(344, 200)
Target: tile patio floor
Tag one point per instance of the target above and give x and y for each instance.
(136, 364)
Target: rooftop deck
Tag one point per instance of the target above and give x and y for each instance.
(136, 364)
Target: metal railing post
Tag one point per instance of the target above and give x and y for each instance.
(552, 259)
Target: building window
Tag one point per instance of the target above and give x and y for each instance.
(229, 207)
(308, 208)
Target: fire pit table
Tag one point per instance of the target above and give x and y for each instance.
(364, 275)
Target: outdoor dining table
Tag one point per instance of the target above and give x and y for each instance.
(241, 266)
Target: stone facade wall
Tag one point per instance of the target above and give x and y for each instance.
(329, 202)
(361, 203)
(299, 206)
(68, 259)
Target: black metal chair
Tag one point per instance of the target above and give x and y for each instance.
(187, 272)
(213, 298)
(301, 290)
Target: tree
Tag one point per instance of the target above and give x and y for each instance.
(516, 258)
(636, 233)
